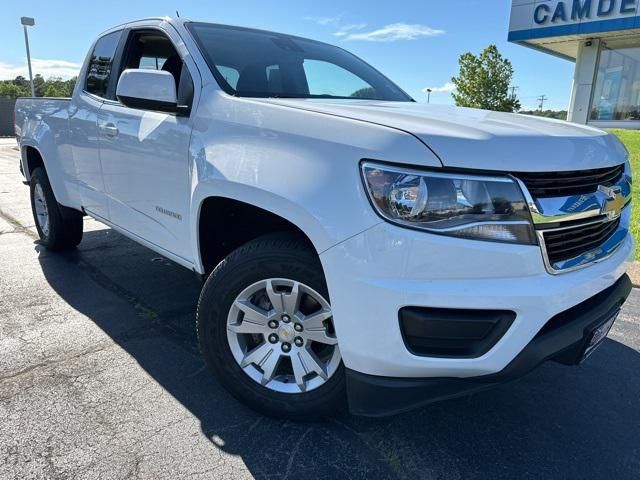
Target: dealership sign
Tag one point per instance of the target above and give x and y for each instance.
(552, 18)
(577, 10)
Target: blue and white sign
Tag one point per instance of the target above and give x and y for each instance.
(531, 19)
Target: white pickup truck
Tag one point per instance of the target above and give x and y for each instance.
(356, 245)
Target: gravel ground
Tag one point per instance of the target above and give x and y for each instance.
(100, 378)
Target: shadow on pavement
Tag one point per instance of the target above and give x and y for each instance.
(556, 423)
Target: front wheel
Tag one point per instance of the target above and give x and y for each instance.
(265, 327)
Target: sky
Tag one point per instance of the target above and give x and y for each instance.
(416, 43)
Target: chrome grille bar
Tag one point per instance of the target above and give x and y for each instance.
(577, 230)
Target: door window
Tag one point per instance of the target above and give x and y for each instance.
(100, 64)
(151, 49)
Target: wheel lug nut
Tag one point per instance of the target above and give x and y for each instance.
(273, 338)
(286, 318)
(273, 324)
(298, 327)
(299, 342)
(286, 347)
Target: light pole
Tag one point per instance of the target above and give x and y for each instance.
(429, 95)
(28, 22)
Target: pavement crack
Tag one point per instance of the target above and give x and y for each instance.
(376, 449)
(17, 226)
(53, 361)
(294, 452)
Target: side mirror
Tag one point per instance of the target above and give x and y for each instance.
(149, 90)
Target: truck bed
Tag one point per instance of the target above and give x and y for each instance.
(32, 113)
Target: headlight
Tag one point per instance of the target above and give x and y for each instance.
(476, 207)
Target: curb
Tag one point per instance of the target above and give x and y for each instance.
(634, 274)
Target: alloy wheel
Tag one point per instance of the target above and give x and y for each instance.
(42, 210)
(281, 334)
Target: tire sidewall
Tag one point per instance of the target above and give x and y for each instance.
(38, 177)
(65, 224)
(223, 286)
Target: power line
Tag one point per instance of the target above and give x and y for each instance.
(514, 90)
(542, 99)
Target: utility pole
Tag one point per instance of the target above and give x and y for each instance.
(429, 95)
(28, 22)
(513, 91)
(542, 99)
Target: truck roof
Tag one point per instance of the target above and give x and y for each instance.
(183, 20)
(137, 20)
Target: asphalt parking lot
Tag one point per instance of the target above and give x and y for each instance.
(100, 378)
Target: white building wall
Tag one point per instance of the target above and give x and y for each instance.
(584, 79)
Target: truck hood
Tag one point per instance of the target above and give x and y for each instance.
(479, 139)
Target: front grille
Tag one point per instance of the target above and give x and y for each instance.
(564, 184)
(567, 243)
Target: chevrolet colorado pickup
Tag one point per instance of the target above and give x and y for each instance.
(354, 245)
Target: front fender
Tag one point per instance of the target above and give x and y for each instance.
(300, 165)
(297, 214)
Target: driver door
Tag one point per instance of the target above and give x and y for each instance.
(145, 154)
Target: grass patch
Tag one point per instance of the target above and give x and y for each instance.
(631, 139)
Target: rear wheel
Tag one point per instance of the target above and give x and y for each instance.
(265, 327)
(59, 227)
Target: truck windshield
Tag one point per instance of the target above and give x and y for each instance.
(254, 63)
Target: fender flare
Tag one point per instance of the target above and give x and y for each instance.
(24, 145)
(275, 204)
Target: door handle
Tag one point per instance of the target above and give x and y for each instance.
(109, 129)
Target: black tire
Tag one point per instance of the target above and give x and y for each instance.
(270, 256)
(65, 224)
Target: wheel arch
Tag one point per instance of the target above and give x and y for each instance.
(31, 158)
(225, 223)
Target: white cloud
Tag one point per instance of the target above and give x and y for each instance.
(446, 88)
(46, 68)
(344, 30)
(325, 20)
(395, 31)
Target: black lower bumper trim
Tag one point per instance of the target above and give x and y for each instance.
(372, 396)
(563, 339)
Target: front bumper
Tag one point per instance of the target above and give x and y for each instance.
(563, 340)
(375, 274)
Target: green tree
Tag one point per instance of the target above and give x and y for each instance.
(366, 92)
(56, 87)
(20, 81)
(9, 89)
(484, 80)
(53, 87)
(39, 85)
(560, 114)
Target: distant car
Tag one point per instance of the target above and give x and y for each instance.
(355, 244)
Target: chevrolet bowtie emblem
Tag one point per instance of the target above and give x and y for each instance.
(614, 203)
